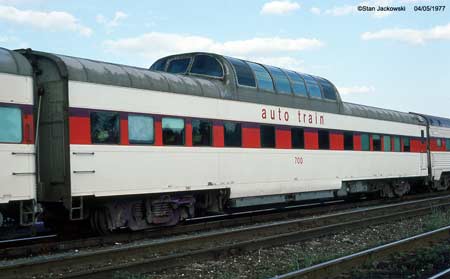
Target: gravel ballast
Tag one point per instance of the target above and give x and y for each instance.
(265, 263)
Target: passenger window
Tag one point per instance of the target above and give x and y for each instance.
(10, 125)
(173, 131)
(298, 84)
(328, 89)
(313, 86)
(243, 72)
(376, 141)
(267, 136)
(159, 65)
(406, 145)
(206, 65)
(365, 142)
(178, 66)
(262, 76)
(447, 144)
(324, 139)
(348, 141)
(140, 129)
(280, 79)
(232, 134)
(397, 147)
(201, 133)
(387, 143)
(439, 142)
(298, 138)
(105, 127)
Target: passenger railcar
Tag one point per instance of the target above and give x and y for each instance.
(438, 129)
(17, 149)
(195, 134)
(200, 132)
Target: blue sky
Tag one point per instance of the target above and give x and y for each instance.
(396, 60)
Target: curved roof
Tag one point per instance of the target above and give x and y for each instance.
(87, 70)
(12, 62)
(437, 121)
(379, 113)
(224, 87)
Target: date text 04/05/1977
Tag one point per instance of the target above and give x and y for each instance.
(425, 8)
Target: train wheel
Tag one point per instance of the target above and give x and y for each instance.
(401, 188)
(446, 182)
(443, 184)
(99, 221)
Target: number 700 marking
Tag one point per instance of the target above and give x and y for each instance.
(298, 160)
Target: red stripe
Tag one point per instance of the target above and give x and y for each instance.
(188, 133)
(158, 132)
(283, 138)
(311, 139)
(79, 130)
(79, 133)
(28, 129)
(250, 137)
(371, 142)
(416, 145)
(336, 141)
(218, 135)
(435, 147)
(124, 132)
(357, 142)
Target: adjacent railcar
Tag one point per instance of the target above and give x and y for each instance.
(200, 132)
(17, 148)
(439, 147)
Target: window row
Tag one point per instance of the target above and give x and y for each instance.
(263, 77)
(105, 130)
(369, 142)
(273, 79)
(200, 65)
(441, 142)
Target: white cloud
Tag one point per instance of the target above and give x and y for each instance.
(412, 36)
(155, 45)
(4, 39)
(12, 42)
(356, 90)
(51, 21)
(279, 7)
(19, 2)
(413, 1)
(341, 11)
(315, 10)
(110, 24)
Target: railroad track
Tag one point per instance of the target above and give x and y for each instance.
(337, 267)
(441, 275)
(152, 255)
(25, 247)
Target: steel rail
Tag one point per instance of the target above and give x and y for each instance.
(333, 268)
(12, 249)
(441, 275)
(156, 255)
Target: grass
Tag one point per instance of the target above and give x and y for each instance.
(437, 219)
